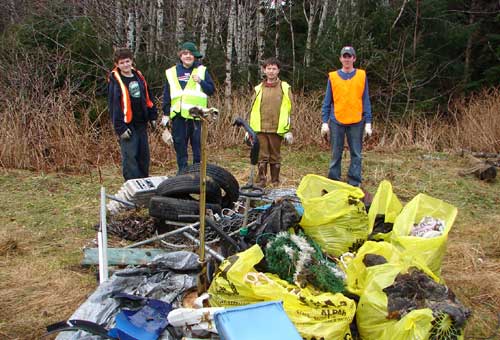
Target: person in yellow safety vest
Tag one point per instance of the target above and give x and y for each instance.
(187, 84)
(270, 119)
(131, 107)
(346, 112)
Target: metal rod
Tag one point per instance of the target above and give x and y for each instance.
(208, 249)
(103, 275)
(159, 237)
(202, 277)
(122, 201)
(251, 224)
(177, 223)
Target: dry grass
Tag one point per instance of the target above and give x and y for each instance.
(49, 137)
(476, 276)
(478, 122)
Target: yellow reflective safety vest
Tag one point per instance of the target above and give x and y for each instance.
(192, 94)
(285, 110)
(348, 97)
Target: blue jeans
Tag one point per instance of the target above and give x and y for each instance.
(354, 135)
(135, 153)
(186, 131)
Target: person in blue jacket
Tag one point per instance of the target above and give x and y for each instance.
(187, 84)
(131, 107)
(346, 112)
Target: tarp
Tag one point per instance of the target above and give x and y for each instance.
(166, 278)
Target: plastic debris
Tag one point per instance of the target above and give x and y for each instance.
(428, 227)
(137, 191)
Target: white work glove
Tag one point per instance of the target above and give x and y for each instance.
(288, 137)
(325, 130)
(368, 129)
(165, 121)
(166, 136)
(126, 135)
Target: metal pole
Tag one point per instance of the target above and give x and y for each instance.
(209, 250)
(159, 237)
(122, 201)
(202, 276)
(102, 236)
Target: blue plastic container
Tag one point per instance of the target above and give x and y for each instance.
(259, 321)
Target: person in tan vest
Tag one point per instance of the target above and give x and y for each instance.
(270, 119)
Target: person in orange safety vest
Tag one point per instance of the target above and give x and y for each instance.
(346, 112)
(131, 107)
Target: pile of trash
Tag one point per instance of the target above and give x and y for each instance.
(315, 263)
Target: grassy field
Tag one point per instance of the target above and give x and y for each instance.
(47, 218)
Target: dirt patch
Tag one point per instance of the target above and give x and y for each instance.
(9, 247)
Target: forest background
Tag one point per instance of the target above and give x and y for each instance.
(433, 68)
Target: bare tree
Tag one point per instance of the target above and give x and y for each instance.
(310, 19)
(470, 39)
(138, 4)
(131, 26)
(288, 19)
(277, 33)
(321, 25)
(159, 28)
(238, 30)
(415, 30)
(181, 21)
(150, 24)
(229, 55)
(261, 31)
(11, 7)
(204, 26)
(243, 34)
(118, 14)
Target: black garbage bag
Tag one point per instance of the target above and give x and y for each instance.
(280, 216)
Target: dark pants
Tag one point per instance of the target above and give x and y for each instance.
(135, 153)
(354, 135)
(186, 131)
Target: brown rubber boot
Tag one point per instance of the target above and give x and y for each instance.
(262, 174)
(275, 174)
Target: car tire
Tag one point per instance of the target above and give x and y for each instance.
(187, 185)
(226, 181)
(169, 208)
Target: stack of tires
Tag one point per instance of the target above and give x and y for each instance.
(177, 198)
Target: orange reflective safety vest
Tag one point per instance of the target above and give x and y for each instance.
(348, 96)
(125, 102)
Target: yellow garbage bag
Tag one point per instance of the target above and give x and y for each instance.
(386, 203)
(228, 288)
(356, 270)
(334, 215)
(431, 250)
(315, 315)
(372, 313)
